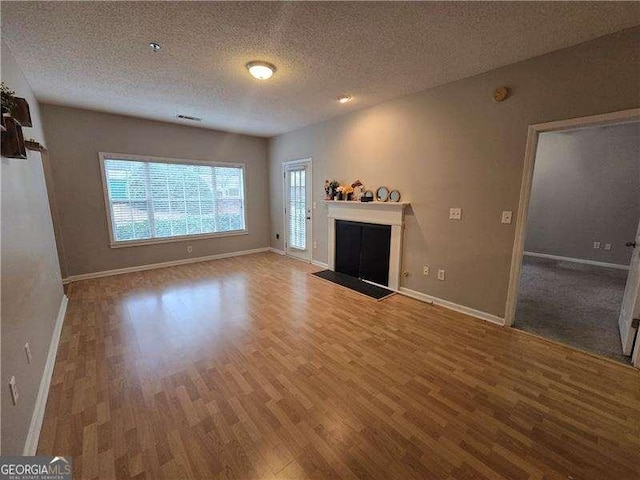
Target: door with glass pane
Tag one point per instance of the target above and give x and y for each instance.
(297, 183)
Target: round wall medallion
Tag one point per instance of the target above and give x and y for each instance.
(382, 194)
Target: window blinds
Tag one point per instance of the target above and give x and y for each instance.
(150, 200)
(297, 209)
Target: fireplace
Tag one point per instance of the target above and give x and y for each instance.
(362, 250)
(365, 240)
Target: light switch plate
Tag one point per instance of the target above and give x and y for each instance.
(607, 246)
(507, 216)
(455, 213)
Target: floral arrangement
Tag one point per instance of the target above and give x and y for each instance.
(8, 98)
(345, 190)
(331, 188)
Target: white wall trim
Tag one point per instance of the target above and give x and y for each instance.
(152, 266)
(276, 251)
(320, 264)
(33, 435)
(576, 260)
(423, 297)
(533, 133)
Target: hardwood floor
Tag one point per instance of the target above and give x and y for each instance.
(249, 368)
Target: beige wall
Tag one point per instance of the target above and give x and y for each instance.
(31, 284)
(75, 138)
(586, 188)
(452, 146)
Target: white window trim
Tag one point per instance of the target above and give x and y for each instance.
(102, 156)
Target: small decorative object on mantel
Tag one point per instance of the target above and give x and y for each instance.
(382, 194)
(367, 196)
(20, 112)
(32, 144)
(331, 189)
(394, 196)
(12, 139)
(345, 192)
(357, 190)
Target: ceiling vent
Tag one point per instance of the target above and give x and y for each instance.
(188, 117)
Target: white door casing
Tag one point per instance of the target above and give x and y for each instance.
(298, 220)
(631, 300)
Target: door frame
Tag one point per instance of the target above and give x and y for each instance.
(534, 131)
(309, 182)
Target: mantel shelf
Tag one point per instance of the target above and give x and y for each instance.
(351, 203)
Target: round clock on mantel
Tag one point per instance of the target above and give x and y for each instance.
(394, 196)
(382, 194)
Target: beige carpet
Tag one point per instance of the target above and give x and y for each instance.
(572, 303)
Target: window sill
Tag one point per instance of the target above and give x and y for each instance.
(182, 238)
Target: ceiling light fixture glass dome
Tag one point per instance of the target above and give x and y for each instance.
(261, 70)
(344, 98)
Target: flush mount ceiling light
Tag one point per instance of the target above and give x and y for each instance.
(261, 70)
(344, 98)
(154, 47)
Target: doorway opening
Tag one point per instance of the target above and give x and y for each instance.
(298, 222)
(575, 275)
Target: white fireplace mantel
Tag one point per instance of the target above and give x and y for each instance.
(382, 213)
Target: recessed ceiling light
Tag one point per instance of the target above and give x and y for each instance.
(261, 70)
(154, 47)
(344, 98)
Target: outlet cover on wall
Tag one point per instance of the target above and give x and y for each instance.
(607, 246)
(596, 245)
(189, 249)
(455, 213)
(440, 274)
(506, 217)
(425, 270)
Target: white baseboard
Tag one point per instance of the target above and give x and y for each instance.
(423, 297)
(33, 435)
(152, 266)
(577, 260)
(320, 264)
(313, 262)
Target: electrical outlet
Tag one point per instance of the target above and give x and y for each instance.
(315, 205)
(315, 244)
(13, 387)
(506, 217)
(405, 273)
(189, 249)
(596, 245)
(440, 274)
(455, 214)
(607, 246)
(425, 270)
(27, 350)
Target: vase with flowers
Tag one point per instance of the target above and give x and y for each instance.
(345, 192)
(331, 189)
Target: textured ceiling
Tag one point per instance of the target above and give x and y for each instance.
(95, 54)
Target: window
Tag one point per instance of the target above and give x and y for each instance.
(150, 200)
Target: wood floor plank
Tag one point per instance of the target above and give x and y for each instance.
(250, 368)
